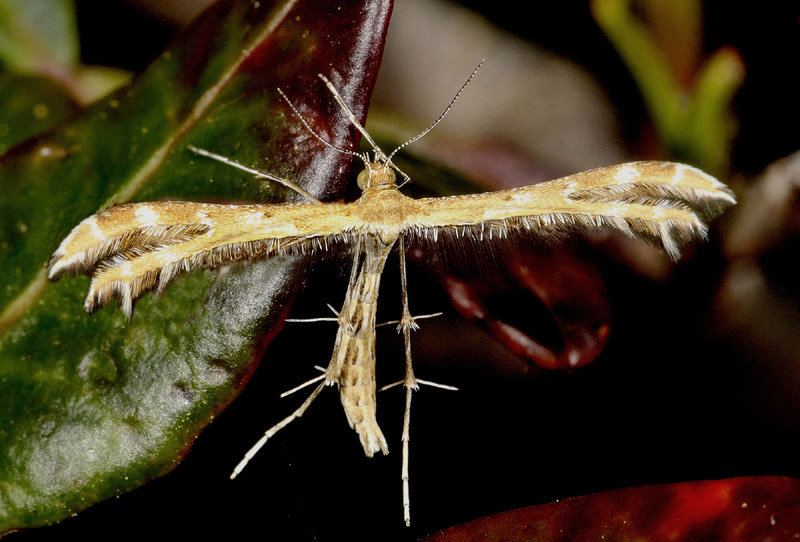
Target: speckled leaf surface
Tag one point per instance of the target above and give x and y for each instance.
(29, 105)
(93, 406)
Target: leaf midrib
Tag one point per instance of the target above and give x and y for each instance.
(20, 304)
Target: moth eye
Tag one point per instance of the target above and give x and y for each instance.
(363, 179)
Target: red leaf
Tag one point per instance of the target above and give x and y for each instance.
(765, 508)
(569, 333)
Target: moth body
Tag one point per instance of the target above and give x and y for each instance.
(383, 210)
(352, 366)
(133, 248)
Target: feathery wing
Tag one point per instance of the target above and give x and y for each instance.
(662, 202)
(140, 246)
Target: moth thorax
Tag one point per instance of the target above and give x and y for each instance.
(374, 175)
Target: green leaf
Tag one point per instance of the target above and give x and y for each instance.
(709, 124)
(647, 63)
(30, 105)
(93, 406)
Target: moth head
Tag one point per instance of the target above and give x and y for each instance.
(378, 172)
(375, 174)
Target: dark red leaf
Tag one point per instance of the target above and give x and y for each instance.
(750, 509)
(552, 311)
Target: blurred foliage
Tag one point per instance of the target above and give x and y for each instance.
(687, 93)
(40, 37)
(35, 34)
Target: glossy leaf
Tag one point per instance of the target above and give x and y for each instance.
(552, 311)
(747, 509)
(92, 406)
(30, 105)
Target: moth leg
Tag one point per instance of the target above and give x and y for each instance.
(395, 322)
(407, 323)
(410, 383)
(305, 384)
(334, 369)
(260, 174)
(274, 429)
(334, 318)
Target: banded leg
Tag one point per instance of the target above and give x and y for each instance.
(410, 383)
(328, 380)
(274, 429)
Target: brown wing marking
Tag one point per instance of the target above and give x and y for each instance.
(662, 202)
(133, 248)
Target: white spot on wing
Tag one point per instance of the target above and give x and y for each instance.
(626, 174)
(201, 217)
(253, 218)
(714, 182)
(126, 270)
(94, 228)
(680, 173)
(58, 267)
(146, 215)
(167, 255)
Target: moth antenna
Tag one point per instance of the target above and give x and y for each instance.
(379, 154)
(319, 137)
(439, 119)
(227, 161)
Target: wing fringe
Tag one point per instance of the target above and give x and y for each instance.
(126, 260)
(666, 204)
